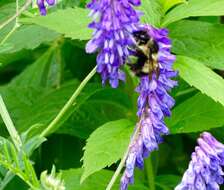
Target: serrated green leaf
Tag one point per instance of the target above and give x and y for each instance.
(5, 48)
(43, 73)
(200, 40)
(73, 23)
(27, 37)
(201, 77)
(35, 75)
(6, 59)
(97, 181)
(26, 89)
(194, 8)
(7, 10)
(152, 12)
(40, 106)
(30, 102)
(107, 105)
(106, 145)
(198, 113)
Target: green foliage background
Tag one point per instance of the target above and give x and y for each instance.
(43, 62)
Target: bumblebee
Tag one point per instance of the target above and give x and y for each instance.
(145, 53)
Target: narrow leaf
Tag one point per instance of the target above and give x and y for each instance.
(201, 77)
(27, 37)
(194, 8)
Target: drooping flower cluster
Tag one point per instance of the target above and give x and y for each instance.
(205, 169)
(154, 103)
(113, 22)
(42, 5)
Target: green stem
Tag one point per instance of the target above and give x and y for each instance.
(14, 27)
(150, 173)
(184, 92)
(9, 34)
(9, 125)
(28, 2)
(17, 10)
(68, 105)
(118, 170)
(123, 160)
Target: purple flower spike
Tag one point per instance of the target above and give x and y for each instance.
(113, 22)
(42, 7)
(205, 169)
(154, 103)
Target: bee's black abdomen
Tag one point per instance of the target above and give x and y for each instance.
(154, 48)
(137, 67)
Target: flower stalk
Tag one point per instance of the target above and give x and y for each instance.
(123, 160)
(150, 173)
(71, 102)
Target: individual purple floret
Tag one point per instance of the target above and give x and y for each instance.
(205, 169)
(154, 103)
(113, 22)
(42, 5)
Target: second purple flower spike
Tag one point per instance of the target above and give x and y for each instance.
(113, 22)
(205, 169)
(154, 102)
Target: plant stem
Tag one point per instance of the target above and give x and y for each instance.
(28, 2)
(122, 162)
(14, 27)
(184, 92)
(118, 170)
(150, 173)
(17, 10)
(9, 125)
(9, 34)
(68, 105)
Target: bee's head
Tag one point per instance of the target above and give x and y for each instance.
(141, 37)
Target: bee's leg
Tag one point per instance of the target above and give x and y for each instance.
(151, 70)
(150, 75)
(157, 72)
